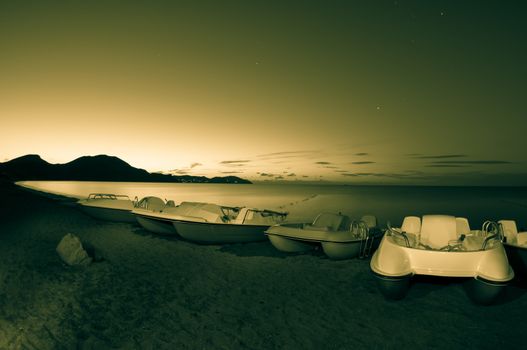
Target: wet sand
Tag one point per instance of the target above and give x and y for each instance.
(153, 292)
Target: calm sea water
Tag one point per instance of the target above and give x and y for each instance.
(304, 202)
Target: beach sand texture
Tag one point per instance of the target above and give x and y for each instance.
(153, 292)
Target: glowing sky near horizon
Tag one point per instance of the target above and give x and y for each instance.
(347, 91)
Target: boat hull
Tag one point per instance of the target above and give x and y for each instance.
(288, 245)
(394, 260)
(295, 238)
(156, 225)
(218, 233)
(489, 269)
(338, 251)
(108, 214)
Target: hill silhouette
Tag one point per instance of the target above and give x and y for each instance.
(95, 168)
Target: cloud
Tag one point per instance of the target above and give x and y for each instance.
(447, 165)
(439, 156)
(472, 162)
(363, 162)
(266, 174)
(231, 172)
(323, 163)
(279, 177)
(463, 177)
(291, 174)
(361, 154)
(286, 153)
(289, 154)
(388, 175)
(184, 171)
(445, 160)
(178, 172)
(231, 162)
(234, 163)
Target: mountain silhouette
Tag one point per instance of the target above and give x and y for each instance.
(95, 168)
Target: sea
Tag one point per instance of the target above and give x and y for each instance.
(305, 201)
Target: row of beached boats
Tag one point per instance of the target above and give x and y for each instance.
(436, 245)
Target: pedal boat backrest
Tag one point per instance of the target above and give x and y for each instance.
(438, 230)
(369, 220)
(411, 224)
(462, 226)
(510, 231)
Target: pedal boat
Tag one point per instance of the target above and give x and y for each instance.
(109, 207)
(444, 246)
(339, 237)
(515, 244)
(151, 212)
(208, 223)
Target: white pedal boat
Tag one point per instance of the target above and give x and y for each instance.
(214, 224)
(151, 212)
(340, 237)
(516, 247)
(442, 245)
(109, 207)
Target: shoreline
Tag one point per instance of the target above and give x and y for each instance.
(50, 195)
(56, 196)
(157, 292)
(309, 183)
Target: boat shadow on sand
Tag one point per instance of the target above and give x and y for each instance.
(264, 249)
(250, 249)
(423, 286)
(145, 233)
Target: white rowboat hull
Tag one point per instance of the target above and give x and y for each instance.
(155, 225)
(108, 214)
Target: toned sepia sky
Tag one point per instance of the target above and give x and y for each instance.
(402, 92)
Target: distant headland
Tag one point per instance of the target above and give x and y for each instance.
(95, 168)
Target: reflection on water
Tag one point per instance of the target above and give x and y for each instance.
(306, 201)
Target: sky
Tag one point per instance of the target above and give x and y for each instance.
(375, 92)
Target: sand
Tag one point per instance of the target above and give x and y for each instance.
(152, 292)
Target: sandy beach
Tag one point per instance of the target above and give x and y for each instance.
(152, 292)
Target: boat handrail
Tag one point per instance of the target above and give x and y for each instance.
(366, 241)
(492, 231)
(401, 233)
(361, 227)
(489, 226)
